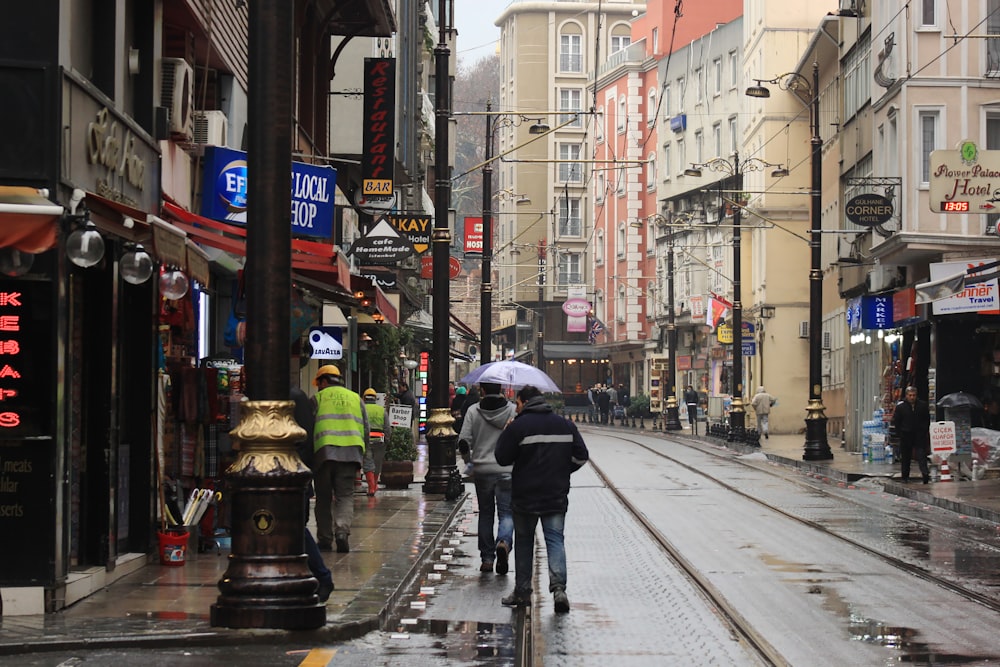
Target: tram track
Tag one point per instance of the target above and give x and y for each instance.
(739, 625)
(909, 568)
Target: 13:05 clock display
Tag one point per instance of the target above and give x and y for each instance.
(954, 207)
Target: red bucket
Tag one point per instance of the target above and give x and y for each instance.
(173, 547)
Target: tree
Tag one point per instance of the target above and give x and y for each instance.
(474, 86)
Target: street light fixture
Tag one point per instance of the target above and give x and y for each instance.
(816, 446)
(736, 169)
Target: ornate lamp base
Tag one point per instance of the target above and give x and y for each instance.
(441, 443)
(268, 583)
(672, 421)
(816, 448)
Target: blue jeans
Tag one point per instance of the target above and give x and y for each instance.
(524, 550)
(493, 492)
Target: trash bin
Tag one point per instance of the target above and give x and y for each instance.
(173, 546)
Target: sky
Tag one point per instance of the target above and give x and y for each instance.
(477, 36)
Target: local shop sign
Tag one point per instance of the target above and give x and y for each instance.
(225, 192)
(966, 180)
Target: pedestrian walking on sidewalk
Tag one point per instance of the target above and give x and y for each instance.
(912, 420)
(375, 451)
(762, 403)
(691, 400)
(339, 443)
(545, 449)
(477, 442)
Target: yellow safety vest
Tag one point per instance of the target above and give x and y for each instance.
(339, 420)
(376, 419)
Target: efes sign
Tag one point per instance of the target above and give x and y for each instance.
(225, 192)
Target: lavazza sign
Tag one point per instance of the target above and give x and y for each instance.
(966, 180)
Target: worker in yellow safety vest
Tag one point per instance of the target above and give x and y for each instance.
(375, 452)
(340, 439)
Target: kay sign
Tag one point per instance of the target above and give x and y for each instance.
(942, 438)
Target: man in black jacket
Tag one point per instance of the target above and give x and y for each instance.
(912, 420)
(545, 449)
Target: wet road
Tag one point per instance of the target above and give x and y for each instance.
(815, 598)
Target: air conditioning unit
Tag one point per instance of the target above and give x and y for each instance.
(804, 329)
(177, 95)
(210, 127)
(827, 340)
(885, 277)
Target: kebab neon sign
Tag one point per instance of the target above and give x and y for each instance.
(9, 324)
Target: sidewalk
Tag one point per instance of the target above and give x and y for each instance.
(158, 606)
(980, 499)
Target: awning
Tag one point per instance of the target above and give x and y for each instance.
(120, 219)
(27, 220)
(574, 351)
(381, 302)
(463, 329)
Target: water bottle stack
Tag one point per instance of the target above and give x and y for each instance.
(874, 443)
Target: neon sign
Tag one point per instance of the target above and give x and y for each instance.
(25, 359)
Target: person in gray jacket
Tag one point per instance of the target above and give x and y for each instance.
(480, 431)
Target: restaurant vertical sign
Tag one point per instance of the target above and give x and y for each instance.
(379, 132)
(27, 456)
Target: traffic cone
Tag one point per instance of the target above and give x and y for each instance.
(945, 471)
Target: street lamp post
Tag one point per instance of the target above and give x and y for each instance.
(816, 446)
(672, 421)
(486, 279)
(441, 437)
(735, 168)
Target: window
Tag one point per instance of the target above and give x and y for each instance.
(656, 40)
(699, 146)
(857, 77)
(928, 124)
(570, 100)
(734, 70)
(622, 113)
(569, 269)
(599, 247)
(699, 77)
(651, 172)
(570, 172)
(599, 125)
(717, 69)
(599, 304)
(681, 156)
(620, 305)
(717, 140)
(570, 53)
(666, 102)
(733, 139)
(650, 300)
(619, 42)
(993, 45)
(992, 143)
(569, 216)
(621, 180)
(622, 238)
(651, 108)
(666, 162)
(927, 13)
(599, 188)
(680, 94)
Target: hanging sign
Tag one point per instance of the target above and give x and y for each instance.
(326, 343)
(417, 228)
(473, 235)
(379, 132)
(381, 245)
(869, 210)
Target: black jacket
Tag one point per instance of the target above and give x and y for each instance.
(545, 449)
(914, 419)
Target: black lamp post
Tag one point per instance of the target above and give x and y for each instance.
(735, 168)
(816, 446)
(486, 279)
(671, 420)
(441, 437)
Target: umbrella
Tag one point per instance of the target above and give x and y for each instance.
(512, 374)
(960, 399)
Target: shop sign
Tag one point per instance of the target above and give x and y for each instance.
(384, 279)
(577, 308)
(684, 362)
(725, 334)
(870, 312)
(224, 192)
(25, 360)
(869, 210)
(326, 343)
(379, 131)
(400, 415)
(966, 180)
(381, 245)
(904, 305)
(473, 235)
(982, 298)
(417, 228)
(942, 438)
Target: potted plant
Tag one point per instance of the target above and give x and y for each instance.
(400, 453)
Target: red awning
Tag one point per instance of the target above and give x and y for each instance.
(27, 219)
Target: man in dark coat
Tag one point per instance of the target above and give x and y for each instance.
(912, 420)
(603, 404)
(545, 449)
(691, 401)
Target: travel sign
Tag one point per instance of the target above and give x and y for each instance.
(224, 192)
(966, 180)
